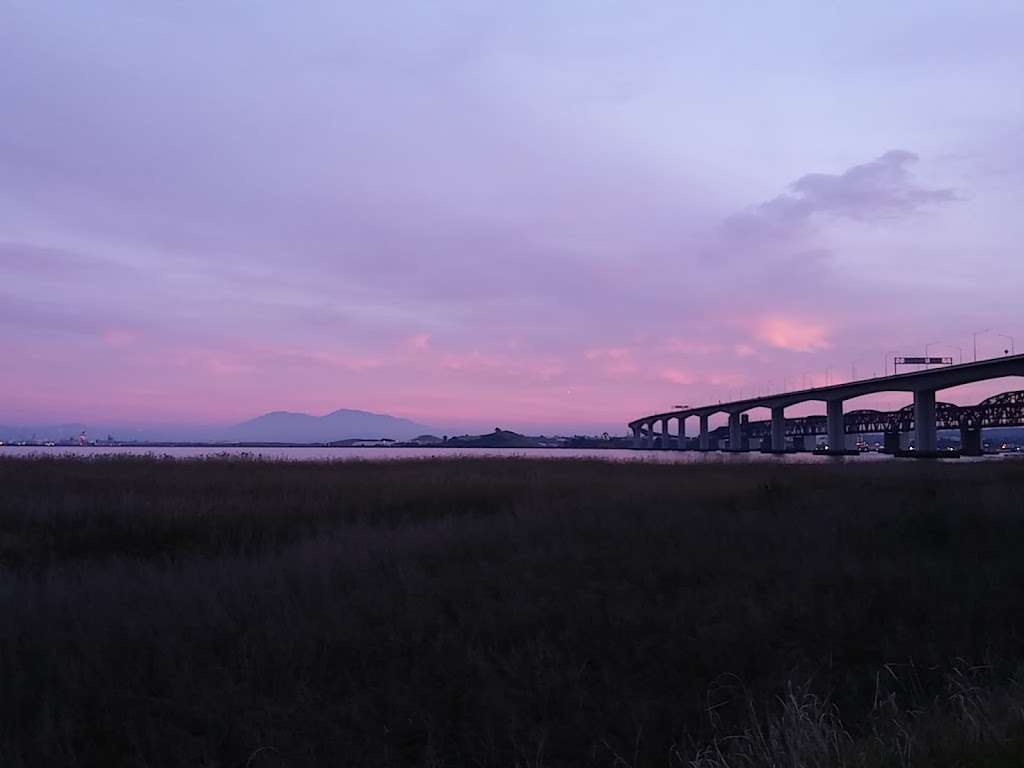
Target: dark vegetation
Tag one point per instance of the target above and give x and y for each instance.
(510, 612)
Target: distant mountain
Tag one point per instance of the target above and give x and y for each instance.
(344, 424)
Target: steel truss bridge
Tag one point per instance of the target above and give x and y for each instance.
(1003, 410)
(925, 417)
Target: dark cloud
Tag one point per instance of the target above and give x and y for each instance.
(883, 188)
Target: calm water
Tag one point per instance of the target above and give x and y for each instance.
(384, 454)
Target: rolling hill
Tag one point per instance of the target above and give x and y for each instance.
(343, 424)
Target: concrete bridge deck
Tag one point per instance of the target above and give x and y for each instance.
(923, 384)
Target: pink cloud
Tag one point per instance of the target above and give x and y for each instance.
(356, 363)
(471, 361)
(546, 371)
(418, 341)
(507, 367)
(613, 361)
(792, 333)
(726, 379)
(691, 346)
(675, 376)
(119, 337)
(217, 363)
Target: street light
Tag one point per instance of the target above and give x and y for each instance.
(929, 344)
(1010, 338)
(946, 344)
(893, 353)
(853, 368)
(974, 338)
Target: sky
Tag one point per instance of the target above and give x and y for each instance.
(545, 216)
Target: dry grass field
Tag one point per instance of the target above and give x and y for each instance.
(510, 612)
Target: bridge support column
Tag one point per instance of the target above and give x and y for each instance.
(664, 434)
(637, 437)
(778, 429)
(705, 434)
(834, 423)
(970, 441)
(735, 432)
(681, 439)
(890, 442)
(649, 437)
(925, 435)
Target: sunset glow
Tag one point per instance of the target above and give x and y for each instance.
(543, 217)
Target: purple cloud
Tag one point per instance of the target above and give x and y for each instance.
(883, 188)
(449, 213)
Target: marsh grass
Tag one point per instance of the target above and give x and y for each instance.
(502, 612)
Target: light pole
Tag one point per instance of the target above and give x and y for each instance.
(893, 353)
(951, 346)
(974, 338)
(853, 368)
(1010, 338)
(806, 374)
(929, 344)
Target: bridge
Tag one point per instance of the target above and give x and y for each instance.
(923, 418)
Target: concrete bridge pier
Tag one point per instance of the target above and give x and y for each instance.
(924, 385)
(638, 436)
(925, 433)
(891, 442)
(970, 441)
(778, 443)
(834, 425)
(735, 432)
